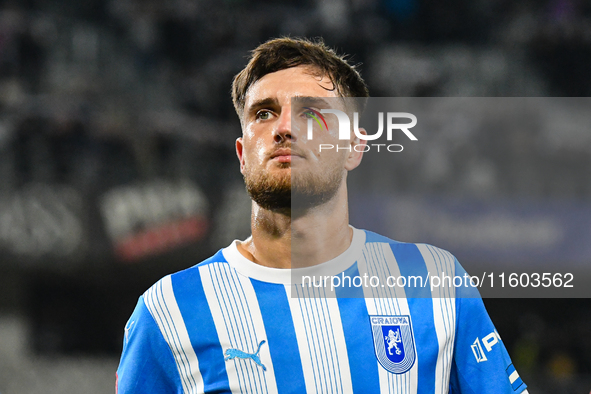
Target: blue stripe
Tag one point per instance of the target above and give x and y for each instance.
(411, 263)
(156, 376)
(358, 337)
(281, 337)
(193, 305)
(510, 370)
(515, 385)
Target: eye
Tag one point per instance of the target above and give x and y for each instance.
(308, 114)
(263, 115)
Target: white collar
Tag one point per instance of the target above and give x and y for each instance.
(294, 276)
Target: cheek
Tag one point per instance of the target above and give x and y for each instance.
(258, 151)
(253, 150)
(331, 157)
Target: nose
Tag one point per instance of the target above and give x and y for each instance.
(282, 131)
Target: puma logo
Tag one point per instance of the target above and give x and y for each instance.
(237, 353)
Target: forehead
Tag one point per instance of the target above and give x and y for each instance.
(292, 82)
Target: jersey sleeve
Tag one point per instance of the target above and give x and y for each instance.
(147, 364)
(481, 362)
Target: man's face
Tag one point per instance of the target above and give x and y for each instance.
(278, 162)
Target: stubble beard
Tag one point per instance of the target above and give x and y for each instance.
(291, 190)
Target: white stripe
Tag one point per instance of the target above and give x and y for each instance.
(440, 263)
(161, 303)
(513, 377)
(378, 260)
(321, 340)
(260, 332)
(239, 325)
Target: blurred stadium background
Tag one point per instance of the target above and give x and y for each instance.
(117, 162)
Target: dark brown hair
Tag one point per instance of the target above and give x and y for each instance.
(283, 53)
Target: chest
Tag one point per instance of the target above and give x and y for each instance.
(264, 339)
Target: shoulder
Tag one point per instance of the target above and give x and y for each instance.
(170, 293)
(426, 250)
(412, 258)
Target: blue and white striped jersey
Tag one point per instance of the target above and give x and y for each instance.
(228, 325)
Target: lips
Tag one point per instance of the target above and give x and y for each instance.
(281, 153)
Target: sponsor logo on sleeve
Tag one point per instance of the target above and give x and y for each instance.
(487, 343)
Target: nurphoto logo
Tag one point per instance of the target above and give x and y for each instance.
(345, 126)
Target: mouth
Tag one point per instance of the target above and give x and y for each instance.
(283, 155)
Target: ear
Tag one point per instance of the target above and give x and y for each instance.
(357, 148)
(240, 153)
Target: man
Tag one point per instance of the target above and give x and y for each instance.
(244, 320)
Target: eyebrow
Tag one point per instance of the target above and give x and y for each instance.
(266, 102)
(307, 100)
(274, 102)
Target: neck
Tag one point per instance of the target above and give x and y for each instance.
(294, 240)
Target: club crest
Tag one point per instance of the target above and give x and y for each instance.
(394, 343)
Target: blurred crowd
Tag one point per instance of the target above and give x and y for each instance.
(106, 92)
